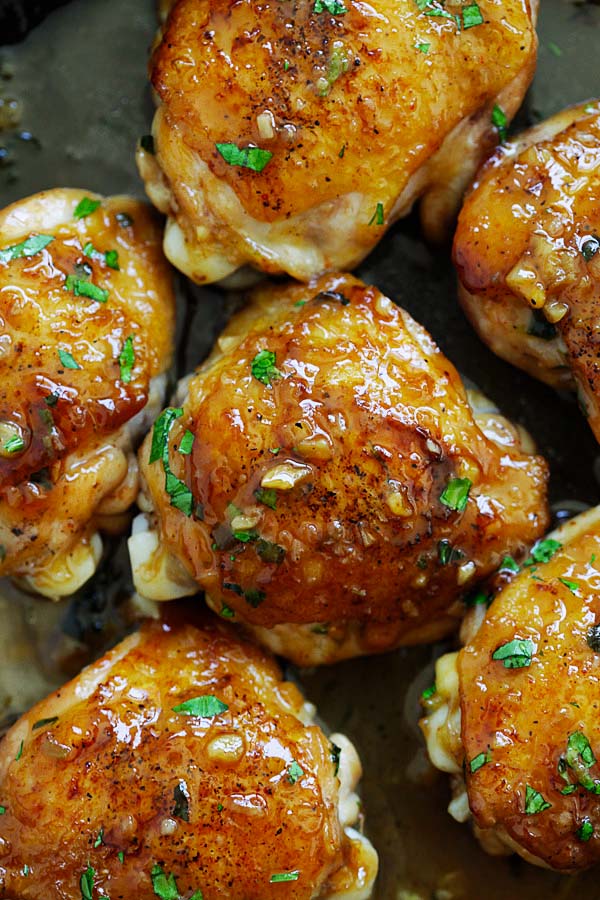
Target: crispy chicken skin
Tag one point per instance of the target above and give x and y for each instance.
(217, 803)
(70, 411)
(316, 492)
(526, 253)
(360, 113)
(528, 736)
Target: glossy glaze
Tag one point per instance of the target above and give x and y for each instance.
(354, 109)
(72, 420)
(101, 781)
(518, 247)
(373, 422)
(526, 715)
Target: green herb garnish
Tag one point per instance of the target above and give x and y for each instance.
(422, 48)
(181, 808)
(83, 288)
(500, 122)
(100, 839)
(456, 493)
(2, 810)
(43, 723)
(207, 706)
(585, 830)
(471, 16)
(127, 360)
(295, 772)
(164, 887)
(534, 802)
(263, 367)
(508, 564)
(269, 552)
(267, 496)
(14, 444)
(334, 7)
(86, 207)
(19, 752)
(68, 361)
(246, 157)
(429, 692)
(187, 442)
(543, 551)
(180, 494)
(571, 585)
(336, 752)
(447, 554)
(515, 654)
(27, 248)
(86, 883)
(377, 217)
(480, 760)
(285, 876)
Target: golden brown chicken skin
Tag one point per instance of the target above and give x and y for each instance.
(87, 319)
(326, 470)
(517, 709)
(526, 249)
(179, 765)
(289, 136)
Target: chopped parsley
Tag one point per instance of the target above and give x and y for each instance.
(500, 122)
(471, 16)
(19, 752)
(180, 494)
(254, 596)
(480, 760)
(456, 493)
(543, 551)
(422, 48)
(571, 585)
(334, 7)
(589, 247)
(285, 876)
(554, 49)
(246, 157)
(269, 552)
(27, 248)
(227, 612)
(81, 287)
(534, 802)
(516, 654)
(43, 723)
(86, 883)
(579, 748)
(121, 856)
(67, 360)
(263, 367)
(377, 218)
(294, 772)
(478, 598)
(100, 839)
(86, 207)
(342, 151)
(164, 887)
(14, 444)
(207, 706)
(447, 554)
(267, 496)
(127, 360)
(585, 830)
(2, 810)
(110, 257)
(429, 692)
(187, 442)
(181, 800)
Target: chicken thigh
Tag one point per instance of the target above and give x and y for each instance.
(289, 136)
(181, 766)
(526, 250)
(514, 715)
(87, 319)
(324, 479)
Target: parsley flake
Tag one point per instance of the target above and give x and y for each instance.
(246, 157)
(207, 706)
(270, 552)
(294, 772)
(334, 7)
(456, 493)
(43, 723)
(336, 752)
(127, 360)
(429, 692)
(480, 760)
(100, 839)
(516, 654)
(2, 810)
(68, 361)
(471, 16)
(585, 830)
(181, 799)
(86, 883)
(500, 122)
(508, 564)
(86, 207)
(284, 876)
(81, 287)
(267, 496)
(14, 444)
(121, 856)
(543, 551)
(164, 887)
(422, 48)
(377, 218)
(263, 367)
(180, 494)
(31, 246)
(19, 752)
(534, 802)
(571, 585)
(447, 554)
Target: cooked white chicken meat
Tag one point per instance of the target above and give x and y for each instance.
(527, 253)
(325, 480)
(290, 136)
(180, 765)
(514, 716)
(86, 333)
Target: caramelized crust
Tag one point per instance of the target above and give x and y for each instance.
(363, 112)
(105, 776)
(354, 440)
(526, 716)
(69, 413)
(530, 277)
